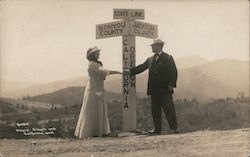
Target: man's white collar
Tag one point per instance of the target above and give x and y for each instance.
(160, 53)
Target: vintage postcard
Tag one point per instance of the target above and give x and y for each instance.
(135, 78)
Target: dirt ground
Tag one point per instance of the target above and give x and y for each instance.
(230, 143)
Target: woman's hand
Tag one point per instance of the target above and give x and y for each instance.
(115, 72)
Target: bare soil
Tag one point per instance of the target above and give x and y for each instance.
(208, 143)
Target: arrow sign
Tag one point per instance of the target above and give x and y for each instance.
(120, 28)
(128, 13)
(111, 29)
(144, 29)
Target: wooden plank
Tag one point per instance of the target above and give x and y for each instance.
(144, 29)
(111, 29)
(128, 13)
(129, 84)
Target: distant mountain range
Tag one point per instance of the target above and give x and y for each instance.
(190, 61)
(39, 89)
(7, 85)
(197, 78)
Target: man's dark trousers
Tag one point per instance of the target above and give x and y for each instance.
(163, 101)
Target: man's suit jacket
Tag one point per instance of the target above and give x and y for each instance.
(162, 73)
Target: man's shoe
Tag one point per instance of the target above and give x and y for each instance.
(153, 133)
(176, 131)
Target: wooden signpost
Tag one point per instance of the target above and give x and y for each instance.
(128, 28)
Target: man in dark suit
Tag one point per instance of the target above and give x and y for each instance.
(161, 81)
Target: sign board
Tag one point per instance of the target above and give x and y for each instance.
(120, 28)
(128, 13)
(111, 29)
(144, 29)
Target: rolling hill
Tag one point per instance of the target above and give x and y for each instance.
(220, 114)
(6, 107)
(67, 96)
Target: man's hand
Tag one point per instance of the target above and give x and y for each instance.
(126, 71)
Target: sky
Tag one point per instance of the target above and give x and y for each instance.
(45, 41)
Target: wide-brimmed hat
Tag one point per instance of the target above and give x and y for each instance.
(157, 41)
(92, 50)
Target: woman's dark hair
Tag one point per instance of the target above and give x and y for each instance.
(91, 57)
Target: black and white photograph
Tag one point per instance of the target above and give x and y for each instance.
(125, 78)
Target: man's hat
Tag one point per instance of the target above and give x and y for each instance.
(92, 50)
(157, 41)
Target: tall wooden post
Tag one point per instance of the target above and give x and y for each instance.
(129, 84)
(128, 28)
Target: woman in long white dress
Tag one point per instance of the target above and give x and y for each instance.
(93, 118)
